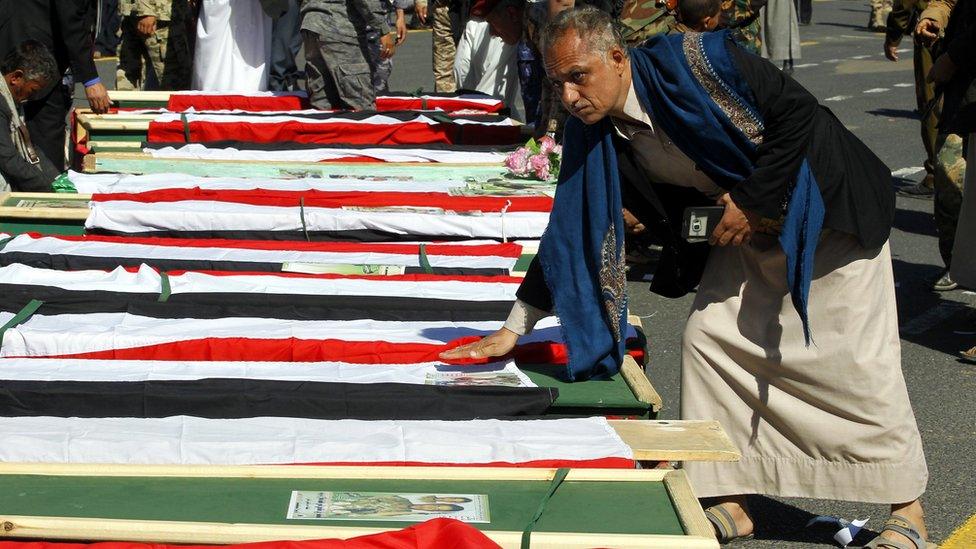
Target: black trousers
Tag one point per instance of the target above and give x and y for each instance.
(47, 122)
(804, 10)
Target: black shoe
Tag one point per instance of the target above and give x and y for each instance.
(945, 283)
(919, 190)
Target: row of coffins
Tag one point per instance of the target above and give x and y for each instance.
(177, 349)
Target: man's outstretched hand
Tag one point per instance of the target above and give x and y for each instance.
(497, 344)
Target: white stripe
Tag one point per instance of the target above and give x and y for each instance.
(904, 85)
(252, 441)
(245, 94)
(860, 56)
(202, 215)
(805, 65)
(43, 369)
(56, 246)
(838, 98)
(104, 183)
(378, 119)
(199, 152)
(147, 280)
(54, 335)
(877, 90)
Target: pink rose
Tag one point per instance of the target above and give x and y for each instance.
(557, 150)
(540, 165)
(547, 144)
(518, 161)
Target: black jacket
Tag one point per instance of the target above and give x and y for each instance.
(854, 182)
(20, 174)
(959, 94)
(64, 26)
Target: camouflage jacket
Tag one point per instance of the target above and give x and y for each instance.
(642, 19)
(343, 19)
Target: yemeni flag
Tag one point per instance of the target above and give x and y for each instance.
(282, 295)
(173, 254)
(355, 128)
(318, 215)
(289, 101)
(432, 534)
(186, 440)
(336, 152)
(222, 390)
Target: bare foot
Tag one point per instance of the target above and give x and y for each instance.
(913, 513)
(738, 508)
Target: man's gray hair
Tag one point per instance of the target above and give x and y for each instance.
(34, 59)
(595, 28)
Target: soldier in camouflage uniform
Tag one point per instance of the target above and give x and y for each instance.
(155, 33)
(336, 51)
(444, 47)
(879, 14)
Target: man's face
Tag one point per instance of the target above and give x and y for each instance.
(21, 88)
(506, 24)
(588, 85)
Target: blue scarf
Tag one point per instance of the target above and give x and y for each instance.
(695, 93)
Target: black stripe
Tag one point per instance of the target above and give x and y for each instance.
(64, 262)
(13, 298)
(220, 398)
(358, 235)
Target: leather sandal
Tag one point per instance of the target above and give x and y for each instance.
(724, 524)
(900, 525)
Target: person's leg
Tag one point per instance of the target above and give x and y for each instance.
(130, 73)
(444, 48)
(319, 84)
(169, 52)
(950, 170)
(286, 42)
(338, 74)
(47, 122)
(924, 95)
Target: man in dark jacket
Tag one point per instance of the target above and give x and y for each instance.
(66, 27)
(25, 71)
(696, 120)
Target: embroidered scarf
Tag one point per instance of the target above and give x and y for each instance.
(694, 91)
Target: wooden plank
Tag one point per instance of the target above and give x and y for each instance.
(40, 212)
(678, 440)
(689, 511)
(634, 375)
(145, 531)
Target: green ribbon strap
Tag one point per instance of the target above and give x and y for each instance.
(21, 316)
(301, 214)
(165, 289)
(186, 127)
(557, 480)
(424, 262)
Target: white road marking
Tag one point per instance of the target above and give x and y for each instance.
(907, 171)
(838, 98)
(905, 85)
(805, 65)
(931, 318)
(860, 56)
(877, 90)
(833, 61)
(904, 50)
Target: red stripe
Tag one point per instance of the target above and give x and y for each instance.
(312, 350)
(439, 533)
(509, 250)
(598, 463)
(405, 133)
(185, 102)
(334, 199)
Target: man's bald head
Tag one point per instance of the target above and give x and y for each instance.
(597, 31)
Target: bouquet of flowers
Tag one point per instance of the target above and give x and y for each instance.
(536, 160)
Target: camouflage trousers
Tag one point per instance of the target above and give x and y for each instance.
(950, 170)
(337, 72)
(380, 68)
(169, 51)
(444, 48)
(879, 14)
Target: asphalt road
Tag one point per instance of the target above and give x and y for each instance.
(844, 67)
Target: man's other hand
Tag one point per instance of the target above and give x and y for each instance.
(927, 31)
(497, 344)
(891, 50)
(737, 225)
(401, 28)
(146, 26)
(98, 98)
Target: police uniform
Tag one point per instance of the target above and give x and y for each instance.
(336, 52)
